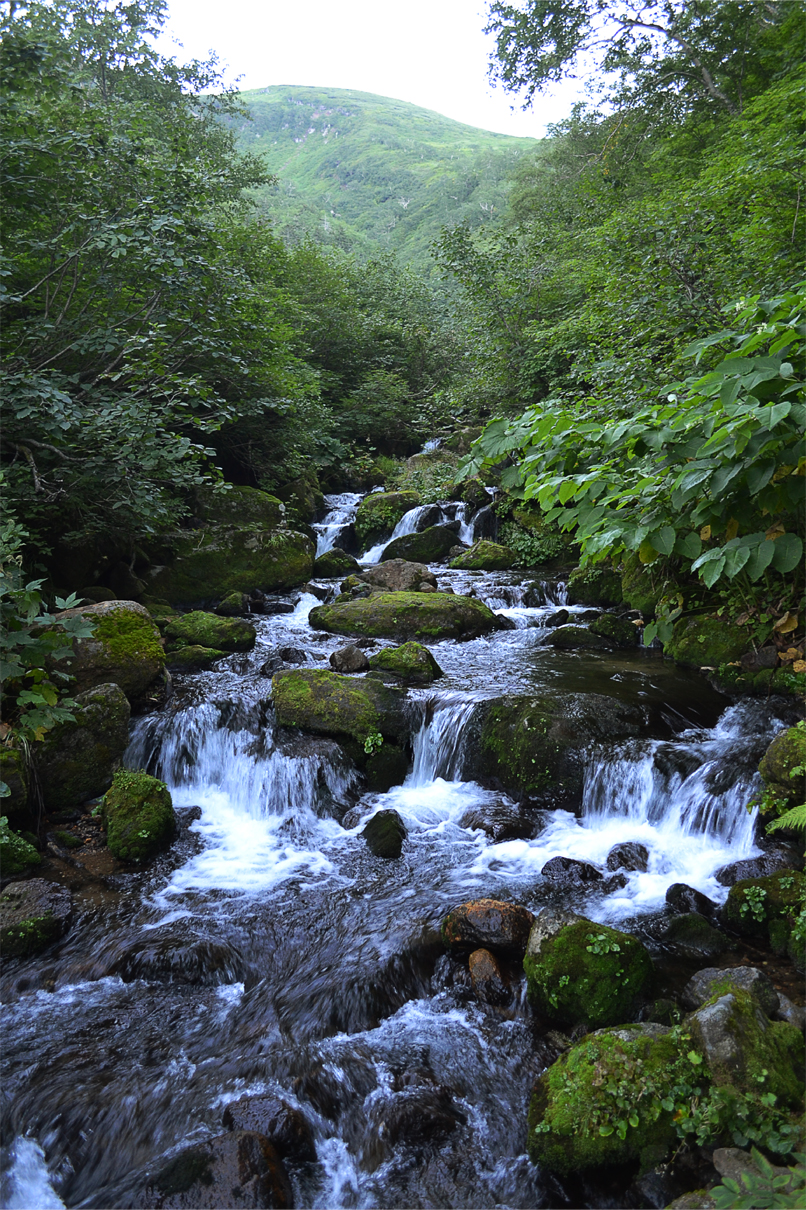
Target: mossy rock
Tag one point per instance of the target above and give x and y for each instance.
(474, 493)
(618, 630)
(786, 753)
(139, 816)
(766, 909)
(707, 642)
(14, 772)
(485, 556)
(334, 563)
(581, 972)
(386, 767)
(571, 638)
(194, 658)
(200, 629)
(384, 834)
(536, 744)
(205, 565)
(379, 513)
(693, 937)
(412, 662)
(32, 915)
(239, 506)
(406, 615)
(17, 855)
(234, 605)
(326, 703)
(302, 497)
(76, 760)
(428, 546)
(644, 584)
(600, 585)
(124, 649)
(735, 682)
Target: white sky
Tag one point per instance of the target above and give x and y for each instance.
(429, 52)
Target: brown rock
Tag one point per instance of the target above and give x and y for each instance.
(400, 575)
(488, 924)
(349, 659)
(240, 1171)
(286, 1128)
(489, 982)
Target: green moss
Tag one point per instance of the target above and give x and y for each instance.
(239, 506)
(67, 839)
(16, 854)
(474, 493)
(76, 760)
(619, 630)
(29, 935)
(385, 834)
(587, 973)
(233, 605)
(736, 682)
(786, 753)
(766, 908)
(428, 546)
(200, 629)
(407, 615)
(303, 497)
(194, 658)
(707, 641)
(334, 563)
(208, 564)
(329, 704)
(599, 585)
(643, 584)
(411, 662)
(485, 556)
(129, 636)
(694, 937)
(379, 513)
(139, 816)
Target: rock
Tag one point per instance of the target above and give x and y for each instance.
(76, 760)
(570, 872)
(486, 556)
(559, 618)
(32, 914)
(766, 908)
(193, 658)
(500, 821)
(399, 575)
(386, 767)
(474, 493)
(273, 608)
(699, 1199)
(707, 641)
(628, 856)
(14, 772)
(292, 655)
(138, 815)
(485, 524)
(329, 704)
(686, 899)
(429, 546)
(793, 1014)
(406, 615)
(570, 638)
(415, 1116)
(769, 862)
(302, 497)
(237, 1170)
(618, 630)
(693, 937)
(732, 1164)
(234, 605)
(169, 955)
(335, 563)
(124, 650)
(349, 659)
(758, 661)
(488, 924)
(17, 855)
(538, 744)
(285, 1127)
(379, 513)
(489, 982)
(411, 662)
(786, 753)
(96, 593)
(578, 971)
(384, 834)
(598, 585)
(208, 630)
(713, 981)
(643, 585)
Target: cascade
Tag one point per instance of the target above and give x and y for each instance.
(341, 510)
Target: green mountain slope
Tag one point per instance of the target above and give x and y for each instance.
(369, 173)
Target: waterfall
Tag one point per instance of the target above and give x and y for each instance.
(439, 746)
(341, 513)
(409, 523)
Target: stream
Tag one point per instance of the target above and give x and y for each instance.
(269, 952)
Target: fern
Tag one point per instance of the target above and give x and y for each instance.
(794, 818)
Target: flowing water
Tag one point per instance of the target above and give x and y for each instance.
(269, 951)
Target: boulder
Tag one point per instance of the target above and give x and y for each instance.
(429, 546)
(335, 563)
(699, 642)
(17, 855)
(200, 629)
(379, 513)
(567, 871)
(234, 605)
(138, 815)
(490, 984)
(349, 659)
(769, 862)
(628, 856)
(406, 615)
(416, 1116)
(293, 655)
(488, 924)
(14, 772)
(236, 506)
(500, 821)
(683, 898)
(286, 1128)
(785, 755)
(620, 631)
(384, 768)
(399, 575)
(384, 834)
(691, 936)
(411, 662)
(485, 556)
(193, 658)
(558, 618)
(240, 1170)
(474, 493)
(571, 638)
(713, 982)
(76, 760)
(578, 971)
(303, 497)
(765, 909)
(124, 649)
(32, 914)
(328, 704)
(599, 585)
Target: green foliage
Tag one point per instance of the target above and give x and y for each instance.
(764, 1189)
(16, 854)
(531, 546)
(373, 743)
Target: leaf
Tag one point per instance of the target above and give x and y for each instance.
(663, 540)
(732, 529)
(605, 1130)
(647, 552)
(787, 553)
(787, 623)
(689, 546)
(705, 533)
(760, 559)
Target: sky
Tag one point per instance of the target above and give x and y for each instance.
(429, 52)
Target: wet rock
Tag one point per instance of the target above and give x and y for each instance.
(320, 591)
(451, 974)
(32, 915)
(570, 638)
(755, 867)
(193, 659)
(138, 815)
(292, 655)
(399, 575)
(712, 980)
(693, 937)
(707, 641)
(411, 662)
(233, 605)
(734, 1164)
(793, 1014)
(569, 872)
(737, 1041)
(500, 821)
(485, 556)
(628, 856)
(599, 585)
(273, 664)
(429, 546)
(275, 608)
(237, 1170)
(124, 649)
(349, 659)
(489, 982)
(406, 615)
(384, 834)
(757, 661)
(415, 1116)
(559, 618)
(786, 753)
(474, 493)
(616, 882)
(386, 767)
(578, 971)
(379, 513)
(171, 956)
(685, 899)
(209, 630)
(286, 1128)
(76, 760)
(329, 704)
(488, 924)
(618, 630)
(335, 564)
(765, 909)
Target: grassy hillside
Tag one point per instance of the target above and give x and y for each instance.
(369, 173)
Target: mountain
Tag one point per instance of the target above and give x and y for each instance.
(370, 173)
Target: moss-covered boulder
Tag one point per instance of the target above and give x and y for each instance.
(234, 605)
(644, 584)
(77, 760)
(193, 658)
(618, 630)
(200, 629)
(573, 638)
(124, 649)
(411, 662)
(783, 764)
(767, 909)
(537, 744)
(335, 563)
(406, 615)
(399, 575)
(578, 971)
(32, 915)
(429, 546)
(691, 936)
(736, 682)
(17, 856)
(384, 834)
(707, 642)
(302, 497)
(326, 703)
(598, 585)
(485, 556)
(238, 506)
(138, 815)
(14, 772)
(379, 513)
